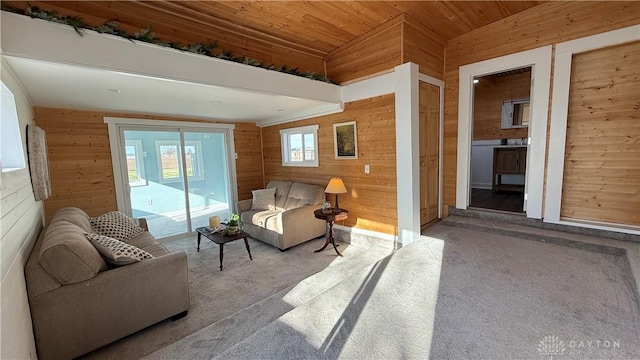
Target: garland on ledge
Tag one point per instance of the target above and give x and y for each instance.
(146, 35)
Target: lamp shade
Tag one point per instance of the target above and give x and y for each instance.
(336, 186)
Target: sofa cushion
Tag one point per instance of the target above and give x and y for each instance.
(75, 216)
(264, 199)
(116, 252)
(146, 242)
(268, 219)
(116, 225)
(282, 191)
(67, 255)
(302, 194)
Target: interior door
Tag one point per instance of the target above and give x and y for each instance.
(428, 127)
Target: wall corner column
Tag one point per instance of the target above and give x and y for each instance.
(407, 152)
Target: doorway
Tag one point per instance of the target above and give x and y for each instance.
(540, 62)
(501, 114)
(174, 177)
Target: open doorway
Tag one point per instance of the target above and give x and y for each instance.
(499, 144)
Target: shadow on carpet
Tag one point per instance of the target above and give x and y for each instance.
(215, 294)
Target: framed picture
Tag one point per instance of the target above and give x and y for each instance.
(345, 140)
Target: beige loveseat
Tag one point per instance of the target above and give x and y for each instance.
(292, 221)
(78, 304)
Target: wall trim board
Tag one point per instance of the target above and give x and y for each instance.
(371, 87)
(560, 110)
(407, 152)
(116, 131)
(304, 114)
(540, 60)
(60, 45)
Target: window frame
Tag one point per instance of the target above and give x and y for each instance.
(139, 154)
(285, 136)
(199, 170)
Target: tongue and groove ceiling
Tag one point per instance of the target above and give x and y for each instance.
(318, 26)
(305, 32)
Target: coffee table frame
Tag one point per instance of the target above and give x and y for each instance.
(222, 239)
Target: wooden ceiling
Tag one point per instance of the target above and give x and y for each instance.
(315, 27)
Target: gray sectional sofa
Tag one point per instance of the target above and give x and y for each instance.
(78, 304)
(292, 221)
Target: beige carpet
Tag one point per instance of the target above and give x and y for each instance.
(216, 295)
(497, 297)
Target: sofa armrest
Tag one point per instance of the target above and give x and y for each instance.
(301, 223)
(113, 304)
(243, 205)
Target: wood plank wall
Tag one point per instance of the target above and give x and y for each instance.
(602, 156)
(370, 198)
(133, 18)
(80, 158)
(545, 24)
(422, 46)
(489, 94)
(374, 52)
(396, 42)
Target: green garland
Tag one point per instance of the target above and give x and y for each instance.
(112, 27)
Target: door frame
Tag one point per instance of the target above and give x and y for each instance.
(116, 127)
(540, 61)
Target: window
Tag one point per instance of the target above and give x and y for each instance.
(300, 146)
(515, 114)
(170, 160)
(135, 165)
(11, 151)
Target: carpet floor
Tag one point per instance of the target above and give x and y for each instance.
(509, 298)
(455, 294)
(216, 295)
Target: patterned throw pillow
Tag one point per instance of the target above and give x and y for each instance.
(264, 199)
(116, 225)
(116, 252)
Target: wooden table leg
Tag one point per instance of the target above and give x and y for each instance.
(199, 235)
(333, 240)
(246, 243)
(328, 238)
(221, 255)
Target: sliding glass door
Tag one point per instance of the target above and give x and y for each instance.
(164, 165)
(207, 180)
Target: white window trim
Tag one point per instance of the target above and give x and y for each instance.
(286, 150)
(199, 163)
(142, 179)
(540, 60)
(559, 112)
(13, 151)
(115, 124)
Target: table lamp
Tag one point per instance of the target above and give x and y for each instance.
(336, 186)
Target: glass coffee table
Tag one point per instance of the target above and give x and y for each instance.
(220, 238)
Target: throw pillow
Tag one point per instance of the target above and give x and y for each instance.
(116, 252)
(264, 199)
(116, 225)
